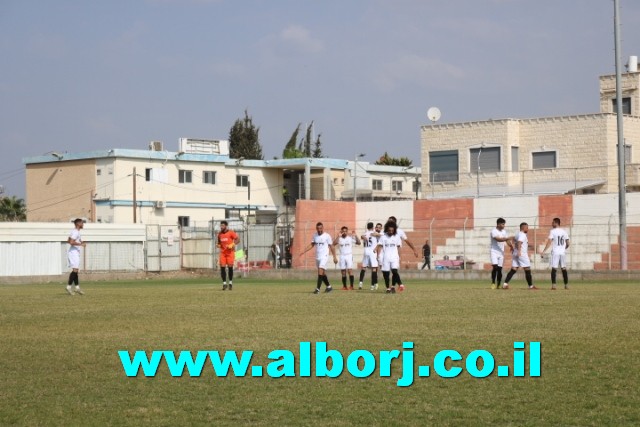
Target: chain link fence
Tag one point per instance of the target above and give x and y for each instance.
(463, 243)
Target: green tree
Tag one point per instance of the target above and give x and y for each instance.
(307, 140)
(317, 148)
(12, 209)
(244, 140)
(290, 150)
(297, 149)
(387, 160)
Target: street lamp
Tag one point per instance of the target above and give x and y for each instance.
(415, 179)
(246, 247)
(478, 174)
(355, 173)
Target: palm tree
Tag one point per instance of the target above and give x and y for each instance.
(12, 209)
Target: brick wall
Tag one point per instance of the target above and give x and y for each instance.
(332, 214)
(438, 220)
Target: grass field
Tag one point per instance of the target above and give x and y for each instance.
(60, 366)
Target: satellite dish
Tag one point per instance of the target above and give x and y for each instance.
(434, 114)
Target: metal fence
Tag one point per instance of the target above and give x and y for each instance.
(594, 242)
(199, 248)
(575, 180)
(163, 248)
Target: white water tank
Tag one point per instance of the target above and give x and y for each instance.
(633, 64)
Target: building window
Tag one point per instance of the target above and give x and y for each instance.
(396, 186)
(544, 160)
(99, 172)
(232, 214)
(626, 105)
(443, 166)
(485, 159)
(209, 177)
(415, 186)
(183, 221)
(376, 184)
(627, 154)
(242, 180)
(515, 159)
(147, 174)
(185, 177)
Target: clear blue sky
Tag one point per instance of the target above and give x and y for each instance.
(85, 75)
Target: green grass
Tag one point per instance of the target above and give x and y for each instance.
(59, 363)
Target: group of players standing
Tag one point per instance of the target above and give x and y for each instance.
(381, 250)
(558, 239)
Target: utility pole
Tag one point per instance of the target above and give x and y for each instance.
(478, 174)
(622, 202)
(248, 214)
(135, 202)
(355, 174)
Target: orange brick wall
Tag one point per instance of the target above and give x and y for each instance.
(550, 207)
(449, 213)
(332, 214)
(633, 252)
(449, 216)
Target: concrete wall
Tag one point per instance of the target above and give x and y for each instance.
(60, 191)
(39, 249)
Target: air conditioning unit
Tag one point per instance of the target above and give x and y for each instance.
(156, 146)
(160, 204)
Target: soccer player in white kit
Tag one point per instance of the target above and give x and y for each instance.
(498, 241)
(324, 245)
(345, 242)
(73, 256)
(403, 237)
(370, 256)
(520, 254)
(389, 246)
(559, 241)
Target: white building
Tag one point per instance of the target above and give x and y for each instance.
(197, 183)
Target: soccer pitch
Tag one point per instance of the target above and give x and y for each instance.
(60, 362)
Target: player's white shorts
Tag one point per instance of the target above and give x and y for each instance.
(497, 258)
(558, 260)
(521, 261)
(346, 262)
(73, 259)
(388, 264)
(370, 260)
(322, 262)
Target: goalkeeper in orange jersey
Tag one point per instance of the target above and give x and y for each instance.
(227, 241)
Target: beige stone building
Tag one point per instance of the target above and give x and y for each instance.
(549, 155)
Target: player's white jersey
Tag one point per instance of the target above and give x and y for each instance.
(559, 239)
(346, 245)
(400, 233)
(75, 235)
(370, 241)
(524, 247)
(495, 245)
(322, 243)
(390, 246)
